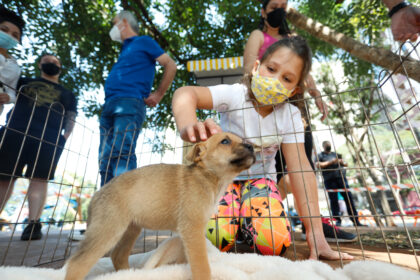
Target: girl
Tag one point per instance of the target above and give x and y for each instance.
(273, 27)
(256, 111)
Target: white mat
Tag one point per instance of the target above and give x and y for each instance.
(226, 266)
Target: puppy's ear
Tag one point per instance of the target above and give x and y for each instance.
(196, 153)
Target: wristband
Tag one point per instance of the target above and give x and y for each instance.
(398, 7)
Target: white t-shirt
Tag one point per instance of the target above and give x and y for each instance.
(238, 115)
(9, 75)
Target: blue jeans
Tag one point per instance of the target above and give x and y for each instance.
(120, 124)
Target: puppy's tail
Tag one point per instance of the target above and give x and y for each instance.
(171, 251)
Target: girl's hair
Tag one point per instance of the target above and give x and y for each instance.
(283, 30)
(299, 46)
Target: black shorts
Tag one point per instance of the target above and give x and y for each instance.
(39, 157)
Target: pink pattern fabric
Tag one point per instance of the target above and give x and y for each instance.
(268, 41)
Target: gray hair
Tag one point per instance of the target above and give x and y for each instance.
(131, 19)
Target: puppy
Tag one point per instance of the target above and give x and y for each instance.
(173, 197)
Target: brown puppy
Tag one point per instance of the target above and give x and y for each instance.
(162, 197)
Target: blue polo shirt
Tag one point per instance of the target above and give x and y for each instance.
(133, 74)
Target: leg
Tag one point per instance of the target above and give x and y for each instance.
(6, 190)
(333, 184)
(222, 231)
(284, 187)
(37, 193)
(105, 145)
(11, 163)
(102, 233)
(196, 250)
(123, 248)
(169, 252)
(123, 152)
(41, 169)
(351, 208)
(127, 126)
(270, 233)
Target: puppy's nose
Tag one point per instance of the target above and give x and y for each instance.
(249, 147)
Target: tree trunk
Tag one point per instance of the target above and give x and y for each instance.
(372, 207)
(377, 56)
(382, 196)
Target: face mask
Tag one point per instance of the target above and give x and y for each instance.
(269, 90)
(115, 33)
(277, 18)
(50, 69)
(7, 41)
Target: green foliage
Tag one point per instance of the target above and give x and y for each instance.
(77, 30)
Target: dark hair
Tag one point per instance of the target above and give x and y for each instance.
(10, 16)
(283, 30)
(48, 54)
(299, 46)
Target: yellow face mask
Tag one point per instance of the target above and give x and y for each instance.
(269, 90)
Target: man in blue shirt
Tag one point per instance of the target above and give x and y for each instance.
(127, 92)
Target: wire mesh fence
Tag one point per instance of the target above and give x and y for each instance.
(374, 131)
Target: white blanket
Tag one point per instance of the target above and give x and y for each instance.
(226, 266)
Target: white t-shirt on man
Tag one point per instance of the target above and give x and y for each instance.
(238, 115)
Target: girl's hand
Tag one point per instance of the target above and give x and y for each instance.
(200, 131)
(322, 107)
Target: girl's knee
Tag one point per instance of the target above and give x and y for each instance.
(222, 232)
(269, 238)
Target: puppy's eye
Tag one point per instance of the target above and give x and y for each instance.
(225, 141)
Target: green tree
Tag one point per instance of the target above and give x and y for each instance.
(77, 30)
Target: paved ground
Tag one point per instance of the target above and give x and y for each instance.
(55, 246)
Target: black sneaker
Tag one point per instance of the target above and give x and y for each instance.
(32, 231)
(341, 235)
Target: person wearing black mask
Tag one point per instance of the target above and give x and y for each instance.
(11, 29)
(333, 173)
(34, 136)
(273, 27)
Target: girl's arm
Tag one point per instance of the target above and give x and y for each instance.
(315, 93)
(304, 188)
(303, 181)
(252, 47)
(185, 102)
